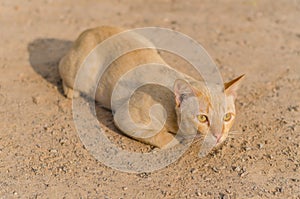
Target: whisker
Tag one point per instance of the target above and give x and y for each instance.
(235, 133)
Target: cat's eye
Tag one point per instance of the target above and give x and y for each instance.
(227, 117)
(202, 118)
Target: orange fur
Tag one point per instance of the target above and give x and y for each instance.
(145, 97)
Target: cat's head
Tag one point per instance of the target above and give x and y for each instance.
(208, 113)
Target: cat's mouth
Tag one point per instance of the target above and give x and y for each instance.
(214, 139)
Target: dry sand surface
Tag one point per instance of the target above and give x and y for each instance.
(41, 155)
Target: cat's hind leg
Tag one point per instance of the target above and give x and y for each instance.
(163, 139)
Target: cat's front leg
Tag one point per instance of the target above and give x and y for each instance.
(162, 140)
(69, 92)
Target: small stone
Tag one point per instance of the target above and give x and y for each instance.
(198, 193)
(222, 195)
(62, 141)
(64, 169)
(247, 148)
(292, 128)
(266, 142)
(206, 178)
(293, 108)
(215, 169)
(279, 189)
(193, 170)
(45, 127)
(53, 151)
(36, 100)
(237, 168)
(124, 188)
(243, 174)
(144, 175)
(260, 146)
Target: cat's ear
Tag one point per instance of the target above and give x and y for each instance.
(232, 86)
(182, 91)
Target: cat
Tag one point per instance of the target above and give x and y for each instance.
(146, 96)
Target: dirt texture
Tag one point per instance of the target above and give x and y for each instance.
(41, 155)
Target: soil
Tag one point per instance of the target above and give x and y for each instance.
(41, 155)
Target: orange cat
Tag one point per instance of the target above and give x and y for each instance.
(147, 96)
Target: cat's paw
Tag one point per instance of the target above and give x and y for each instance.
(69, 92)
(171, 144)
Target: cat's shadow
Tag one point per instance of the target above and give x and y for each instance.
(44, 57)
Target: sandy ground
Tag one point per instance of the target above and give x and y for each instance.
(41, 155)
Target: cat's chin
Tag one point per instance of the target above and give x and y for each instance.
(220, 144)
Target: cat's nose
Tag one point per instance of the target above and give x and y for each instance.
(218, 137)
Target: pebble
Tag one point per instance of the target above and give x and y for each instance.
(193, 170)
(215, 169)
(237, 168)
(243, 174)
(279, 189)
(198, 193)
(293, 108)
(247, 148)
(62, 141)
(124, 188)
(53, 151)
(36, 100)
(222, 195)
(45, 127)
(144, 175)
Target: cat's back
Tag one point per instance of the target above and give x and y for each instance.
(90, 38)
(120, 52)
(82, 46)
